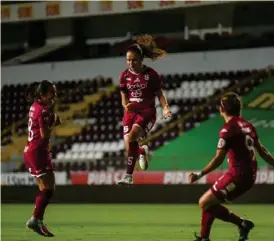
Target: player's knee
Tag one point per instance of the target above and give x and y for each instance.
(48, 182)
(48, 193)
(201, 203)
(133, 135)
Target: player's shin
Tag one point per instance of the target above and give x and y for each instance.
(206, 223)
(132, 156)
(41, 202)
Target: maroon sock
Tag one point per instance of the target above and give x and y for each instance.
(224, 214)
(133, 152)
(41, 202)
(206, 223)
(141, 151)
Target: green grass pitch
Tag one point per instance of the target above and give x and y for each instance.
(130, 222)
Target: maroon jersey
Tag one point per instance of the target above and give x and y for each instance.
(141, 88)
(238, 136)
(39, 115)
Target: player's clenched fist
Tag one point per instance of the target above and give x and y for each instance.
(193, 177)
(129, 107)
(166, 113)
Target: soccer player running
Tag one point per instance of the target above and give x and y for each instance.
(37, 154)
(139, 86)
(239, 139)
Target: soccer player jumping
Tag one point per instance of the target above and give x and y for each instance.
(139, 86)
(238, 139)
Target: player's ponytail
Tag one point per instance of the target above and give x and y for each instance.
(31, 92)
(146, 47)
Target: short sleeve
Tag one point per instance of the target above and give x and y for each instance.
(123, 86)
(40, 118)
(223, 142)
(43, 117)
(158, 82)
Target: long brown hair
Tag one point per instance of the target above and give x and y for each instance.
(231, 104)
(146, 47)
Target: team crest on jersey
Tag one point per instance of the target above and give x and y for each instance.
(146, 77)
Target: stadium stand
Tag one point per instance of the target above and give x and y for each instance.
(198, 145)
(99, 143)
(69, 92)
(190, 41)
(92, 138)
(102, 141)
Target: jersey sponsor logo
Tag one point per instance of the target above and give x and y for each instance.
(263, 101)
(221, 143)
(136, 86)
(136, 91)
(138, 100)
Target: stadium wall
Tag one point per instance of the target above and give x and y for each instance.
(135, 194)
(224, 60)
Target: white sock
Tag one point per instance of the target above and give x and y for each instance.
(34, 219)
(243, 225)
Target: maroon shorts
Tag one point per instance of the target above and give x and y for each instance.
(145, 119)
(227, 187)
(38, 162)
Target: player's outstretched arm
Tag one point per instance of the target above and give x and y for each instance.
(214, 163)
(264, 153)
(163, 101)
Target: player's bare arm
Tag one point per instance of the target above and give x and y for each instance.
(264, 153)
(125, 102)
(163, 101)
(214, 164)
